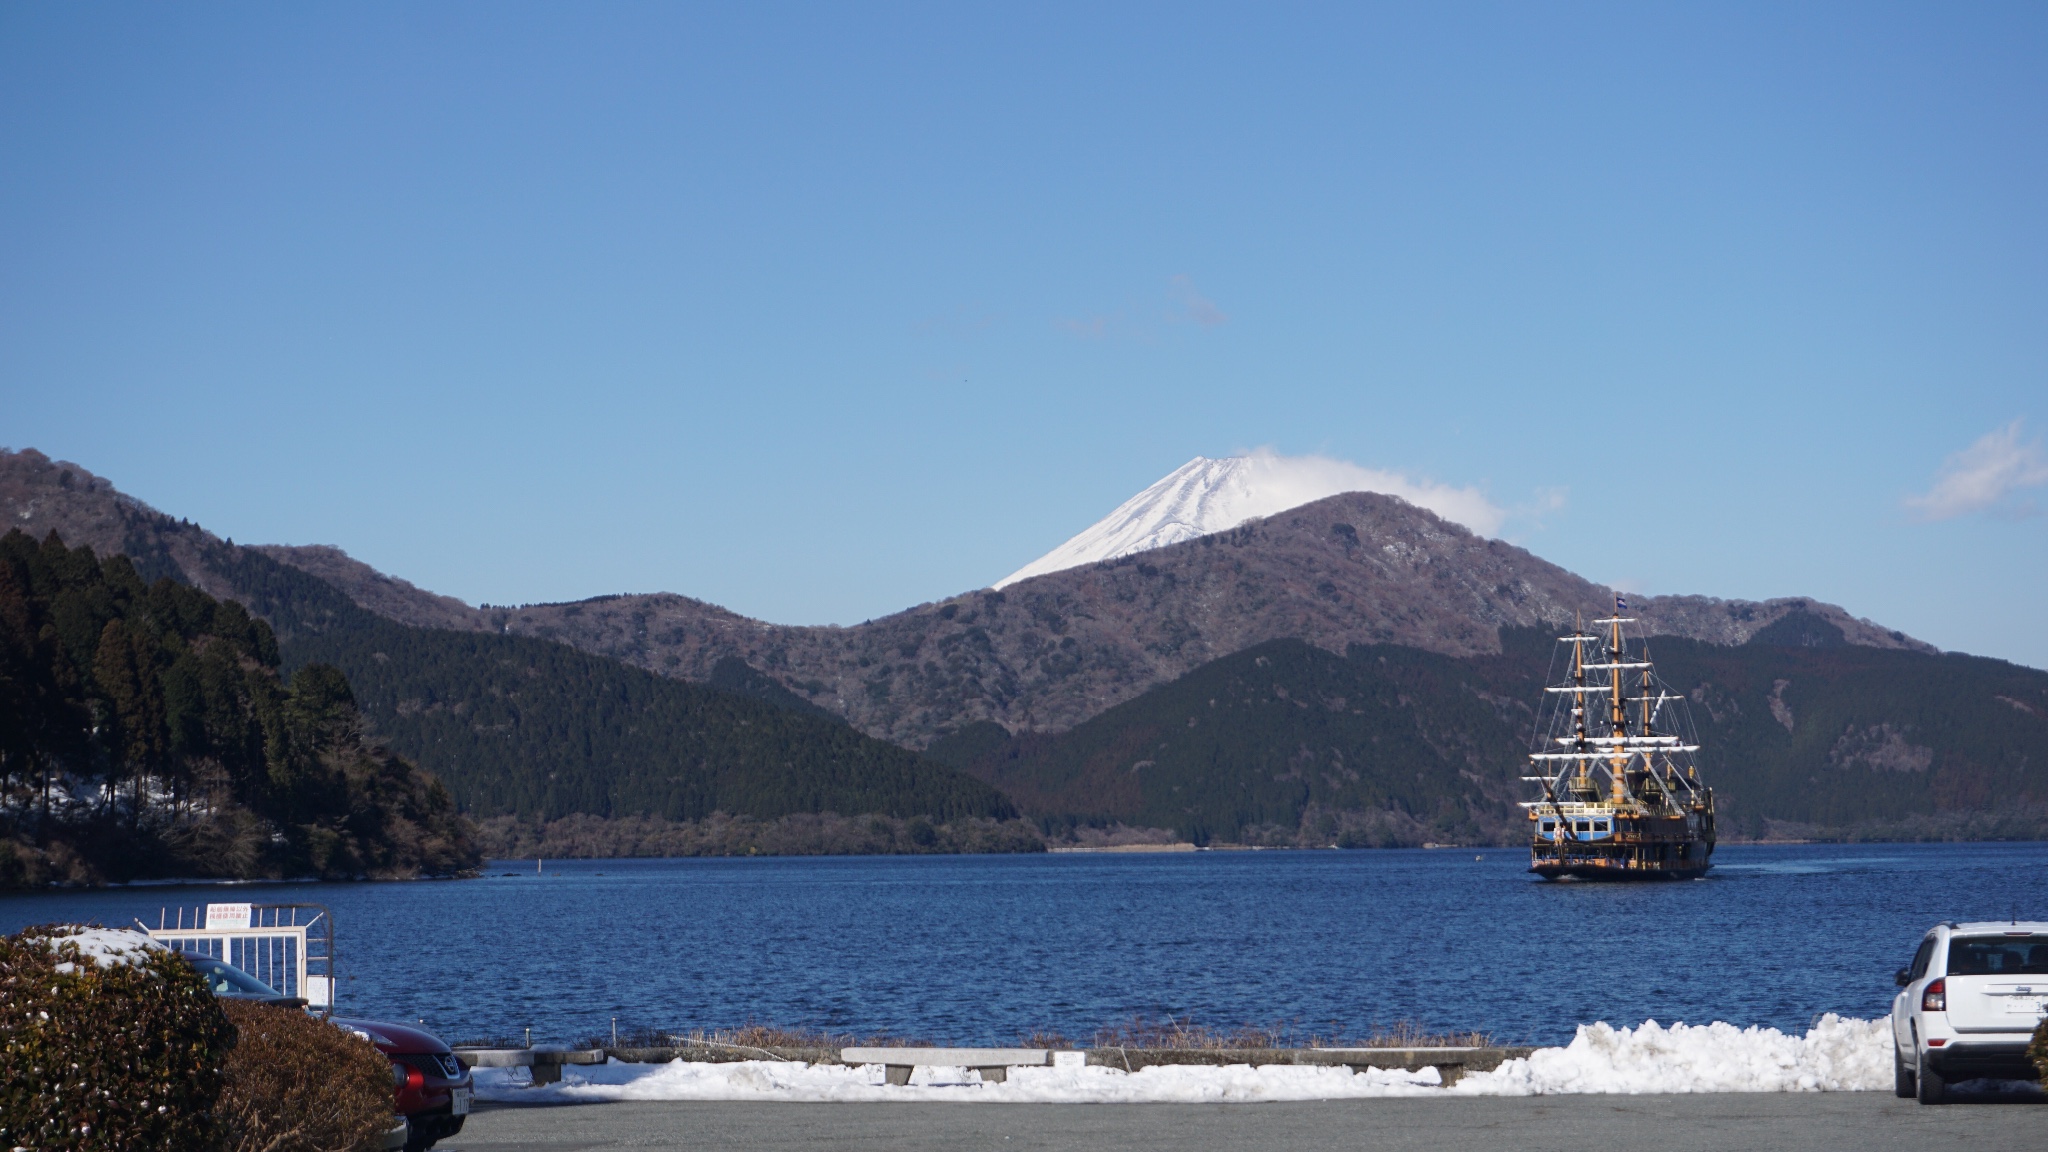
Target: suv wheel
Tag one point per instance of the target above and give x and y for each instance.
(1931, 1088)
(1902, 1077)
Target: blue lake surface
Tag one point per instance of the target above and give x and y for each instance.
(982, 949)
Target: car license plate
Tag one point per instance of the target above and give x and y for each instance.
(459, 1103)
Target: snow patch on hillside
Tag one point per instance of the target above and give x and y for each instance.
(1205, 496)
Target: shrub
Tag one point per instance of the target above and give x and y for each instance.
(300, 1084)
(2038, 1051)
(113, 1047)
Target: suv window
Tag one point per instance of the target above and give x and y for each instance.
(1920, 959)
(1997, 956)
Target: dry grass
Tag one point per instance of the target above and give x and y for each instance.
(1186, 1034)
(751, 1035)
(1044, 1038)
(1409, 1034)
(1137, 1032)
(1145, 1032)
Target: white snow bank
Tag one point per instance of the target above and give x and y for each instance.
(105, 947)
(1836, 1055)
(774, 1080)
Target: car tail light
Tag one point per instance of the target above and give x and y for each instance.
(1935, 999)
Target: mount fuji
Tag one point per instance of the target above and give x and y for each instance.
(1204, 496)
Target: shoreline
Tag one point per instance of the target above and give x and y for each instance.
(497, 867)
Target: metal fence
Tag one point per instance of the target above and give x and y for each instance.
(287, 946)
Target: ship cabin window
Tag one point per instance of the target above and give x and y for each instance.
(1550, 825)
(1599, 825)
(1582, 825)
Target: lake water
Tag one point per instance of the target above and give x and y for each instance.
(982, 949)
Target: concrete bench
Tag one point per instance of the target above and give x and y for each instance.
(994, 1064)
(546, 1062)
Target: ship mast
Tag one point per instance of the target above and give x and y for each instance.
(1617, 768)
(1583, 785)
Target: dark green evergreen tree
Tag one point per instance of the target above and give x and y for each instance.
(144, 731)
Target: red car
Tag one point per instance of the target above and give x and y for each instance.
(432, 1089)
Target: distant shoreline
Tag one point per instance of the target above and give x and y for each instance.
(1181, 846)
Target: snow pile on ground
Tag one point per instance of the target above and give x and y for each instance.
(773, 1080)
(105, 947)
(1836, 1055)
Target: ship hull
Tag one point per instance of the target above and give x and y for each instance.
(1581, 870)
(1619, 863)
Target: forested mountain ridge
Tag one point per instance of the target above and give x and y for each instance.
(1817, 724)
(518, 726)
(531, 728)
(1047, 653)
(1042, 655)
(145, 731)
(1285, 743)
(526, 728)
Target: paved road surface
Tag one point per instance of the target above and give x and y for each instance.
(1864, 1121)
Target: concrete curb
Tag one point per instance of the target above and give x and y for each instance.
(1450, 1063)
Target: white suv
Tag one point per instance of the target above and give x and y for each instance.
(1968, 1005)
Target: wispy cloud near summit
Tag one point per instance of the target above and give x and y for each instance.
(1195, 306)
(1987, 475)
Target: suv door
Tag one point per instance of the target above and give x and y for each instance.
(1907, 1001)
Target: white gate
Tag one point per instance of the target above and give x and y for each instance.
(287, 946)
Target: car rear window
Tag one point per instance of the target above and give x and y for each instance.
(1997, 956)
(227, 980)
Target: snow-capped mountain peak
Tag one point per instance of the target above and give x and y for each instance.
(1204, 496)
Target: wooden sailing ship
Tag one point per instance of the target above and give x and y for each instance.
(1622, 798)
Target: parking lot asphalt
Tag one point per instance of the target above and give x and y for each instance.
(1702, 1123)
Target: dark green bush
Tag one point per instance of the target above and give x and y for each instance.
(2038, 1051)
(127, 1056)
(300, 1084)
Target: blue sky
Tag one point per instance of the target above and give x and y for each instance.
(819, 311)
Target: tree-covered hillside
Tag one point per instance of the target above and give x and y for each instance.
(1829, 739)
(1281, 743)
(1286, 743)
(520, 726)
(532, 728)
(144, 731)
